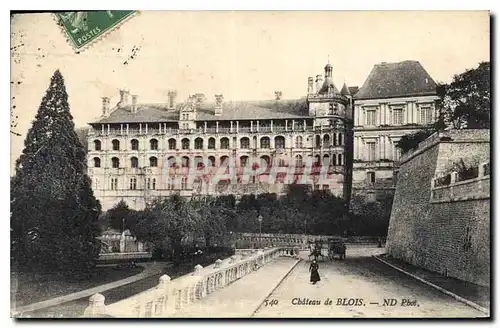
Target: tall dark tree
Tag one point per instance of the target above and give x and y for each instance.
(120, 217)
(53, 210)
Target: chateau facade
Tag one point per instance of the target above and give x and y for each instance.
(138, 152)
(396, 99)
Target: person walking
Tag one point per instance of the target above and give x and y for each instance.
(314, 272)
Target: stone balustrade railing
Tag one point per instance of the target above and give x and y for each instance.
(171, 296)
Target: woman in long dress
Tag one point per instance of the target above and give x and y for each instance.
(314, 272)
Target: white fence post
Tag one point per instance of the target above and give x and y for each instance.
(96, 306)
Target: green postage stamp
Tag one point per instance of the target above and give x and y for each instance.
(85, 27)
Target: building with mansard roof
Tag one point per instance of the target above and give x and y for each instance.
(139, 151)
(396, 99)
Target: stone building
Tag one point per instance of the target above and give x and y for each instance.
(139, 151)
(396, 99)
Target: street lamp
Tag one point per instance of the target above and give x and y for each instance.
(260, 229)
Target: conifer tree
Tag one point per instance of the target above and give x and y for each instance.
(53, 210)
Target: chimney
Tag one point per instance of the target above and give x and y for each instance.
(199, 98)
(105, 106)
(278, 94)
(134, 104)
(310, 85)
(218, 104)
(172, 95)
(124, 95)
(319, 82)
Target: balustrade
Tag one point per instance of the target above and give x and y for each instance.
(171, 296)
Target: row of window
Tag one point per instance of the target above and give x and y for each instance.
(265, 142)
(151, 184)
(371, 152)
(397, 116)
(198, 160)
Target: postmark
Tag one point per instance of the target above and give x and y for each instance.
(85, 27)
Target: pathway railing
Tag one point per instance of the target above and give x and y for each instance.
(171, 296)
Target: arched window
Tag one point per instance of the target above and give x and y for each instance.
(115, 162)
(298, 142)
(281, 162)
(334, 159)
(244, 161)
(153, 161)
(335, 139)
(133, 183)
(185, 143)
(326, 140)
(317, 160)
(279, 142)
(224, 160)
(211, 159)
(265, 142)
(340, 160)
(134, 162)
(298, 161)
(244, 143)
(134, 144)
(116, 144)
(153, 144)
(198, 143)
(185, 161)
(326, 160)
(172, 144)
(97, 145)
(318, 141)
(211, 143)
(97, 162)
(224, 143)
(171, 161)
(340, 139)
(198, 162)
(265, 161)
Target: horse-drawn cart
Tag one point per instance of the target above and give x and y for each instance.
(322, 250)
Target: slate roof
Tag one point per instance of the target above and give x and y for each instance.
(231, 110)
(403, 79)
(328, 82)
(353, 90)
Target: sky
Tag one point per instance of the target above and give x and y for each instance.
(242, 55)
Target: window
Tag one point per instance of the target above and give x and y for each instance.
(317, 160)
(97, 162)
(370, 117)
(212, 160)
(334, 160)
(370, 177)
(97, 145)
(298, 142)
(224, 161)
(340, 159)
(397, 153)
(332, 108)
(224, 143)
(134, 144)
(133, 183)
(151, 184)
(298, 161)
(326, 160)
(281, 162)
(243, 161)
(340, 139)
(185, 126)
(171, 161)
(211, 143)
(198, 143)
(265, 142)
(265, 160)
(279, 142)
(370, 146)
(245, 143)
(326, 140)
(184, 181)
(397, 116)
(185, 143)
(425, 115)
(335, 139)
(115, 162)
(116, 144)
(148, 184)
(114, 183)
(134, 162)
(172, 144)
(153, 143)
(318, 141)
(153, 161)
(185, 161)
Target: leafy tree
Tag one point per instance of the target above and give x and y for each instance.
(53, 210)
(120, 217)
(82, 134)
